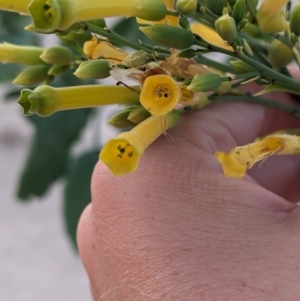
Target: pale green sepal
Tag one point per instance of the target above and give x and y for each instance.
(33, 75)
(186, 7)
(58, 70)
(95, 69)
(120, 120)
(33, 102)
(59, 56)
(24, 101)
(152, 10)
(226, 28)
(206, 82)
(138, 114)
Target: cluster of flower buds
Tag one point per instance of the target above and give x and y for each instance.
(170, 78)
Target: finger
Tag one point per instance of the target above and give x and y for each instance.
(163, 238)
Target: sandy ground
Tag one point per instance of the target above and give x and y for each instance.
(36, 259)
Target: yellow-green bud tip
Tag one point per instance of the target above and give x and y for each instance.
(226, 28)
(186, 7)
(206, 82)
(57, 56)
(95, 69)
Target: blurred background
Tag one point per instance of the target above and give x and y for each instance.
(37, 260)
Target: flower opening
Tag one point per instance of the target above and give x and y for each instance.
(160, 94)
(123, 153)
(238, 160)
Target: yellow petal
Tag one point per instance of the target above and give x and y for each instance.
(237, 161)
(209, 35)
(160, 94)
(103, 50)
(232, 167)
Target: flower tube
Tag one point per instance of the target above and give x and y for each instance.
(237, 161)
(18, 6)
(50, 15)
(123, 153)
(25, 55)
(46, 100)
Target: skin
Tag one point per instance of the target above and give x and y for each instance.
(178, 229)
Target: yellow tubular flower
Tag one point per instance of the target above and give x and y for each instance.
(46, 100)
(160, 94)
(270, 16)
(209, 35)
(103, 50)
(170, 20)
(18, 6)
(237, 161)
(123, 153)
(50, 15)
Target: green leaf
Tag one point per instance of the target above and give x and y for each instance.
(77, 193)
(49, 151)
(129, 29)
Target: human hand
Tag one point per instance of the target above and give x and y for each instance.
(178, 229)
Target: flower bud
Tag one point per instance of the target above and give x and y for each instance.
(120, 120)
(186, 7)
(59, 56)
(239, 11)
(295, 20)
(206, 82)
(279, 54)
(58, 70)
(96, 69)
(33, 75)
(226, 28)
(169, 36)
(241, 67)
(136, 59)
(138, 114)
(215, 6)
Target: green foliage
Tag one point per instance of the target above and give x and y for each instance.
(129, 29)
(49, 151)
(77, 193)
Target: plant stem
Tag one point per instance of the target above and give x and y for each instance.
(265, 71)
(258, 100)
(114, 37)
